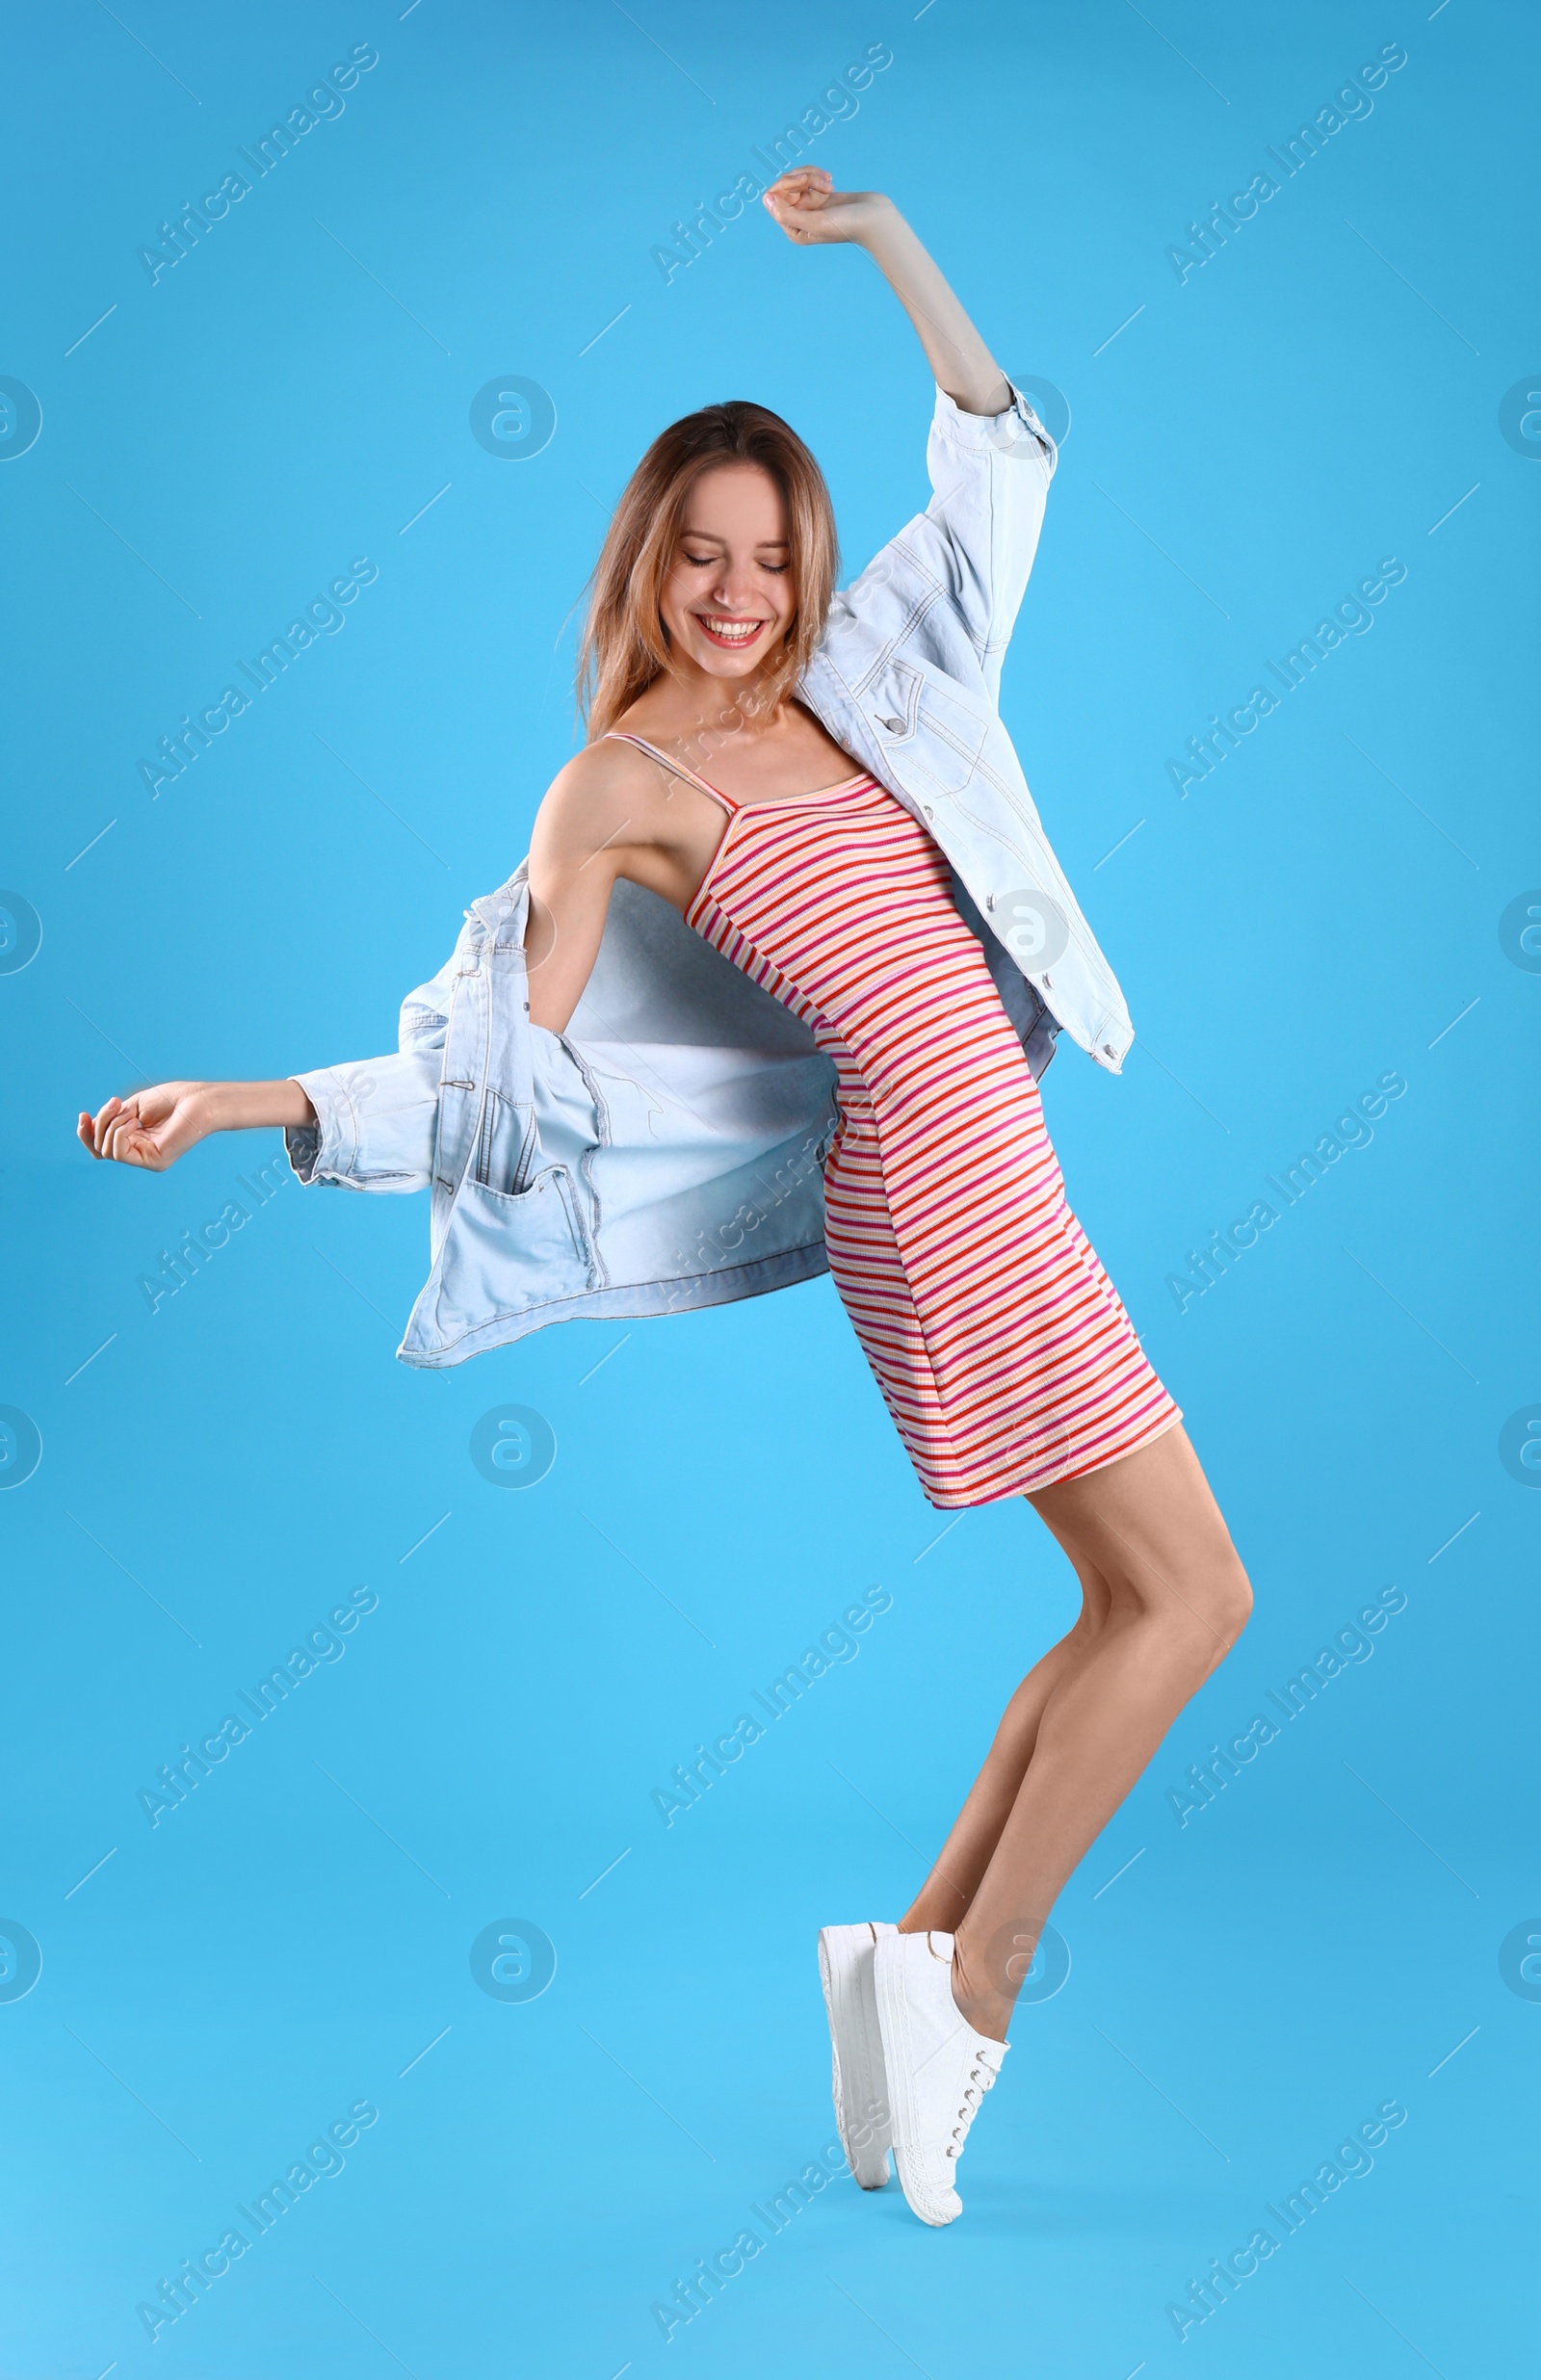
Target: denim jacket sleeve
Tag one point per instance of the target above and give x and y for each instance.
(377, 1117)
(978, 537)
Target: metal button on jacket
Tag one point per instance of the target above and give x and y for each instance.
(894, 726)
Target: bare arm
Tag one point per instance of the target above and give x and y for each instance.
(606, 815)
(154, 1128)
(812, 212)
(570, 884)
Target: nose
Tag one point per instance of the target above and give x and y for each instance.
(735, 592)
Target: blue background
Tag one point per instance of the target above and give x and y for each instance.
(1252, 442)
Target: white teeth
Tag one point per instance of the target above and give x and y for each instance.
(733, 632)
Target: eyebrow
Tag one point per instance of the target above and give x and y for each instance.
(708, 537)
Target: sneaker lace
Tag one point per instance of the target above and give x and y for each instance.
(980, 2079)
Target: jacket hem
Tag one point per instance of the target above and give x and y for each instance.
(635, 1300)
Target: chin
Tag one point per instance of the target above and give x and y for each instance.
(721, 663)
(731, 664)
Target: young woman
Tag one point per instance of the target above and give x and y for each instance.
(771, 993)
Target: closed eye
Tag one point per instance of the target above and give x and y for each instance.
(705, 562)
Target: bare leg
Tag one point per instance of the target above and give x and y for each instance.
(1165, 1599)
(949, 1890)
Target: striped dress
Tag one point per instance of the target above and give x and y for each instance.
(1000, 1345)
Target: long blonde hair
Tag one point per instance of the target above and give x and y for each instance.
(624, 647)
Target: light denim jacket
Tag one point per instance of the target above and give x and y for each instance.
(666, 1151)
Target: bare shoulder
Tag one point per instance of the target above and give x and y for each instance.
(592, 795)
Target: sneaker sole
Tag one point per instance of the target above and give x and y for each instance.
(843, 2005)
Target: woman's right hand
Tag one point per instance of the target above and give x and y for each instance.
(150, 1128)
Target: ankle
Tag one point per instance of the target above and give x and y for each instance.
(985, 2010)
(934, 1913)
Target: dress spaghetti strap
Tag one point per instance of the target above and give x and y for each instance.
(676, 767)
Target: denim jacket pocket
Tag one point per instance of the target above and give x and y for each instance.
(510, 1250)
(953, 735)
(506, 1144)
(930, 733)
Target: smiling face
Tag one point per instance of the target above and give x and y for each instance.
(728, 600)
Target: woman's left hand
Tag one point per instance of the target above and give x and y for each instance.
(811, 211)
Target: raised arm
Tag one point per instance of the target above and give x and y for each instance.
(989, 458)
(813, 212)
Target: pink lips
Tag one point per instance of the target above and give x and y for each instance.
(727, 644)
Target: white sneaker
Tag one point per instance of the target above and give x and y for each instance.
(938, 2068)
(858, 2081)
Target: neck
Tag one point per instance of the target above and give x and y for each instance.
(690, 704)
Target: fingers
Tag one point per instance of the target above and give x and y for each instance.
(119, 1136)
(804, 186)
(797, 177)
(122, 1118)
(788, 204)
(786, 219)
(121, 1132)
(104, 1117)
(806, 206)
(118, 1131)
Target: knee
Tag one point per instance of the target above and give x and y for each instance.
(1200, 1620)
(1097, 1608)
(1223, 1598)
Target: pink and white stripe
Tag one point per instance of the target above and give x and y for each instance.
(1000, 1345)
